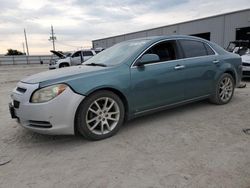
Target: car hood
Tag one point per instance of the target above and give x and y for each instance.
(61, 74)
(246, 58)
(58, 53)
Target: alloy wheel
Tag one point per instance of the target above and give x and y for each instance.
(102, 116)
(226, 89)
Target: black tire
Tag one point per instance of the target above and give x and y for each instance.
(83, 110)
(63, 65)
(216, 98)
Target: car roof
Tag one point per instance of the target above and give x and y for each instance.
(85, 50)
(157, 38)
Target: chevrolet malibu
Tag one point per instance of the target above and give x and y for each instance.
(130, 79)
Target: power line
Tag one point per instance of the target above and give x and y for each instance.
(77, 47)
(63, 43)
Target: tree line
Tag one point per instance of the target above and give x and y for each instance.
(14, 52)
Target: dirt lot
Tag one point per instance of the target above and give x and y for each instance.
(197, 145)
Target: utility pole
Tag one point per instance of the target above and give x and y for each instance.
(52, 37)
(27, 48)
(23, 48)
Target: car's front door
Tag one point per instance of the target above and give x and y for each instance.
(158, 83)
(76, 58)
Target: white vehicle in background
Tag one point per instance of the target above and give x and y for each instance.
(242, 47)
(99, 49)
(70, 59)
(246, 64)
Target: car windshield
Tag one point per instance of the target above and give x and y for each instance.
(117, 53)
(68, 54)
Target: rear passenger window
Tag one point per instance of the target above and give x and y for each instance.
(193, 48)
(87, 53)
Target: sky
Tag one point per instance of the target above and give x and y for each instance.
(78, 22)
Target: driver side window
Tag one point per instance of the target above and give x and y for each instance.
(77, 54)
(165, 50)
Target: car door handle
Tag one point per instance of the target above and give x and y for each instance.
(179, 67)
(216, 61)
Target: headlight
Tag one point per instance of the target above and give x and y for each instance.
(54, 62)
(47, 93)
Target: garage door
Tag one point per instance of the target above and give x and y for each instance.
(202, 35)
(243, 33)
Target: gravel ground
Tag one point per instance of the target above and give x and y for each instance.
(197, 145)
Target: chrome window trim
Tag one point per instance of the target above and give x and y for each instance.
(174, 39)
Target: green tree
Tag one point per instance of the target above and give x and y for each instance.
(14, 52)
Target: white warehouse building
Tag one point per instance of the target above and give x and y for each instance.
(220, 29)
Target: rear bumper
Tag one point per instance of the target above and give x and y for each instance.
(52, 117)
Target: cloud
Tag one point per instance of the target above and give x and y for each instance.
(6, 4)
(77, 22)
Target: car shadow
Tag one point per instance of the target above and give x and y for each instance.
(156, 116)
(31, 139)
(246, 79)
(27, 138)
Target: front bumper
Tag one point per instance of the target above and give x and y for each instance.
(53, 66)
(245, 71)
(53, 117)
(12, 111)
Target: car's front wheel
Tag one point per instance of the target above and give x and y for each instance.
(224, 89)
(63, 65)
(100, 115)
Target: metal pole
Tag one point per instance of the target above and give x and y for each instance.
(23, 48)
(27, 48)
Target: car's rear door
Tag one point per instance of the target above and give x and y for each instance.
(158, 83)
(200, 62)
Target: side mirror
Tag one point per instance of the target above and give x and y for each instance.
(147, 58)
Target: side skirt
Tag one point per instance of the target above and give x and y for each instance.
(169, 106)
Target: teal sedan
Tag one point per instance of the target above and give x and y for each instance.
(130, 79)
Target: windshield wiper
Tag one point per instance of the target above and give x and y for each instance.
(96, 64)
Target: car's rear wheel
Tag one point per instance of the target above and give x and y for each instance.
(224, 89)
(100, 115)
